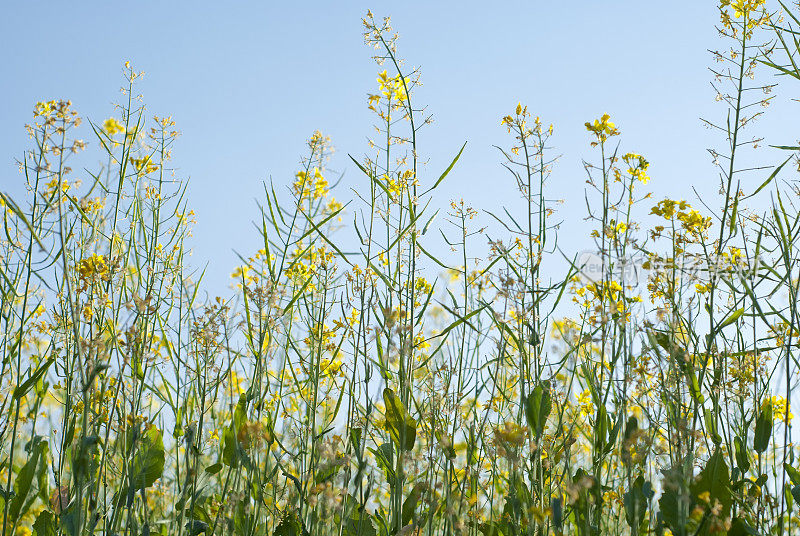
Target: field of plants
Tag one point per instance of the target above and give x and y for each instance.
(353, 381)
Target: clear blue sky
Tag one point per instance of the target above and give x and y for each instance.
(248, 82)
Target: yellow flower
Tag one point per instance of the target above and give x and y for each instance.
(392, 88)
(44, 109)
(742, 7)
(143, 165)
(585, 403)
(779, 408)
(312, 185)
(91, 266)
(112, 126)
(637, 167)
(602, 128)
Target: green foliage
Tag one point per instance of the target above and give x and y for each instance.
(538, 406)
(401, 426)
(376, 369)
(147, 464)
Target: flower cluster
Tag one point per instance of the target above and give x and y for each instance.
(602, 129)
(310, 184)
(694, 223)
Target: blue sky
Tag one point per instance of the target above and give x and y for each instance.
(248, 82)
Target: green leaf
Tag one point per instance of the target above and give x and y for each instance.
(68, 521)
(774, 173)
(742, 460)
(410, 504)
(355, 440)
(147, 464)
(537, 408)
(492, 528)
(448, 170)
(23, 388)
(694, 385)
(794, 474)
(45, 524)
(24, 479)
(327, 472)
(740, 527)
(231, 450)
(715, 479)
(731, 318)
(400, 425)
(763, 428)
(675, 502)
(637, 501)
(384, 456)
(358, 523)
(214, 469)
(557, 509)
(711, 425)
(290, 525)
(196, 527)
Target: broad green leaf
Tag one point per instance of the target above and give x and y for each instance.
(384, 457)
(637, 501)
(355, 440)
(290, 525)
(675, 502)
(794, 474)
(711, 425)
(410, 504)
(537, 408)
(740, 527)
(763, 428)
(400, 425)
(716, 481)
(45, 524)
(195, 527)
(742, 459)
(231, 451)
(358, 523)
(25, 477)
(214, 468)
(147, 464)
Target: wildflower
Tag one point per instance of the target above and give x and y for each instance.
(585, 403)
(44, 108)
(780, 408)
(92, 266)
(742, 8)
(112, 126)
(602, 128)
(314, 186)
(393, 87)
(637, 167)
(143, 165)
(691, 220)
(509, 438)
